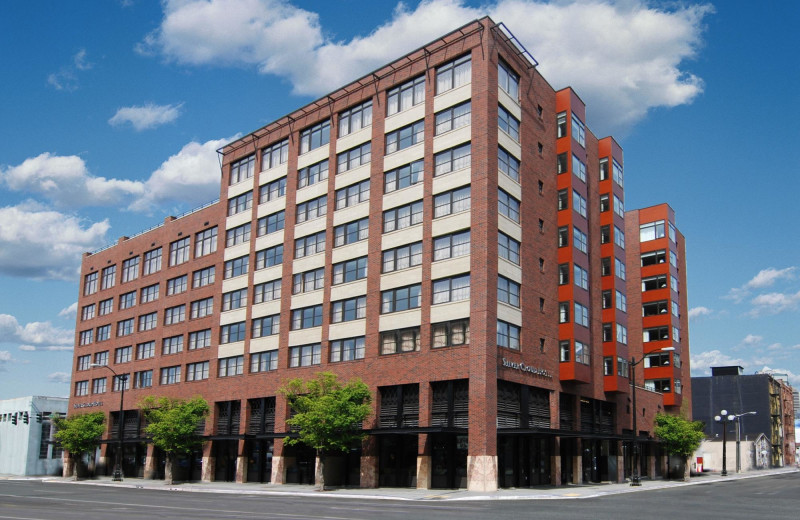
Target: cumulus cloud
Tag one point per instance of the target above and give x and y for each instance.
(67, 76)
(40, 333)
(765, 278)
(774, 303)
(146, 116)
(49, 348)
(703, 361)
(621, 72)
(59, 377)
(696, 312)
(69, 312)
(794, 379)
(43, 244)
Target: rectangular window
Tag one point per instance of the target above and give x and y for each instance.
(561, 125)
(563, 274)
(454, 117)
(152, 261)
(405, 137)
(401, 299)
(312, 209)
(239, 204)
(264, 361)
(450, 202)
(83, 362)
(81, 388)
(349, 309)
(146, 350)
(266, 326)
(654, 257)
(622, 334)
(87, 312)
(99, 385)
(242, 169)
(203, 277)
(606, 299)
(653, 283)
(402, 257)
(101, 358)
(450, 334)
(106, 307)
(149, 293)
(563, 236)
(619, 237)
(174, 315)
(452, 160)
(231, 366)
(508, 123)
(347, 349)
(204, 307)
(651, 231)
(398, 341)
(581, 315)
(451, 246)
(232, 332)
(508, 335)
(508, 205)
(237, 235)
(305, 355)
(109, 276)
(657, 385)
(355, 119)
(605, 234)
(582, 353)
(315, 136)
(508, 164)
(619, 269)
(123, 354)
(452, 289)
(581, 277)
(351, 232)
(619, 207)
(197, 371)
(578, 168)
(125, 327)
(350, 270)
(233, 300)
(604, 168)
(507, 291)
(580, 240)
(508, 248)
(271, 223)
(205, 242)
(143, 379)
(307, 317)
(312, 174)
(179, 251)
(271, 256)
(172, 345)
(274, 155)
(673, 259)
(176, 285)
(308, 281)
(608, 332)
(605, 266)
(579, 203)
(309, 245)
(237, 267)
(170, 375)
(578, 130)
(352, 195)
(403, 177)
(405, 96)
(564, 349)
(272, 191)
(659, 359)
(200, 339)
(454, 74)
(605, 205)
(267, 291)
(130, 269)
(103, 333)
(617, 169)
(561, 163)
(354, 157)
(508, 80)
(622, 301)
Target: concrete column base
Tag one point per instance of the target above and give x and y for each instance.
(423, 472)
(209, 468)
(278, 470)
(369, 471)
(150, 470)
(241, 469)
(482, 473)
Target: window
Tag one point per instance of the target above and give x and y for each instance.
(453, 159)
(272, 191)
(508, 123)
(150, 293)
(152, 261)
(170, 375)
(81, 388)
(564, 348)
(120, 381)
(508, 164)
(200, 339)
(130, 269)
(581, 277)
(657, 385)
(608, 332)
(205, 307)
(351, 232)
(605, 234)
(239, 204)
(508, 80)
(405, 96)
(561, 125)
(578, 168)
(605, 266)
(508, 335)
(264, 361)
(675, 310)
(197, 371)
(580, 240)
(242, 169)
(672, 231)
(90, 284)
(659, 359)
(355, 119)
(307, 317)
(563, 312)
(579, 203)
(309, 245)
(354, 157)
(237, 235)
(271, 223)
(402, 257)
(266, 326)
(347, 349)
(622, 334)
(87, 312)
(508, 205)
(237, 267)
(402, 177)
(563, 236)
(508, 248)
(305, 355)
(231, 366)
(619, 237)
(452, 289)
(581, 315)
(653, 283)
(308, 281)
(312, 209)
(673, 259)
(450, 202)
(604, 168)
(312, 174)
(179, 251)
(352, 195)
(561, 163)
(651, 231)
(315, 136)
(401, 217)
(202, 277)
(401, 299)
(619, 207)
(99, 385)
(143, 379)
(109, 276)
(578, 130)
(654, 257)
(174, 315)
(563, 199)
(267, 291)
(452, 118)
(274, 255)
(606, 299)
(232, 332)
(123, 355)
(350, 270)
(172, 345)
(617, 169)
(83, 362)
(176, 285)
(676, 334)
(101, 358)
(205, 242)
(605, 205)
(622, 301)
(398, 341)
(582, 353)
(507, 291)
(451, 246)
(106, 307)
(563, 274)
(349, 310)
(619, 268)
(146, 350)
(453, 74)
(125, 327)
(275, 154)
(405, 137)
(103, 333)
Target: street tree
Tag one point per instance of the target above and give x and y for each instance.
(79, 434)
(328, 416)
(678, 435)
(172, 426)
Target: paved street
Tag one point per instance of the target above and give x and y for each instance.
(737, 498)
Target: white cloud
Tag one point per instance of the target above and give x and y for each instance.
(50, 348)
(59, 377)
(67, 78)
(43, 244)
(696, 312)
(38, 332)
(765, 278)
(69, 312)
(5, 358)
(703, 361)
(146, 116)
(774, 303)
(630, 67)
(794, 379)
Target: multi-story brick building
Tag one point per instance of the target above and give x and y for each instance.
(438, 228)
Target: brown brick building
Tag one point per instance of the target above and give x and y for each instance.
(446, 228)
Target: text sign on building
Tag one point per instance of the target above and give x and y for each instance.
(522, 367)
(87, 405)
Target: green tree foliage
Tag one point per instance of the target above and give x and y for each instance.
(678, 435)
(80, 434)
(327, 415)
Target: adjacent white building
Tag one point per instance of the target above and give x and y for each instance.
(26, 435)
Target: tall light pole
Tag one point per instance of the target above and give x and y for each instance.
(123, 379)
(738, 419)
(723, 418)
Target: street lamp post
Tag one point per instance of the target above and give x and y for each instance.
(738, 419)
(723, 418)
(123, 379)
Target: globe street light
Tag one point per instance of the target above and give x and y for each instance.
(123, 379)
(723, 418)
(738, 419)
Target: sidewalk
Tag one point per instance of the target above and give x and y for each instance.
(540, 493)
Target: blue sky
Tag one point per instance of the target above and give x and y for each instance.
(111, 112)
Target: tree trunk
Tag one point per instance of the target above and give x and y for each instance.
(168, 469)
(69, 466)
(319, 474)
